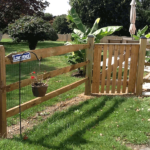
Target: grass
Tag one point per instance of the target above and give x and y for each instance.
(104, 123)
(47, 64)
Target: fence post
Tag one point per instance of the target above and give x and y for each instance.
(89, 56)
(141, 62)
(3, 120)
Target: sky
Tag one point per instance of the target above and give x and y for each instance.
(58, 7)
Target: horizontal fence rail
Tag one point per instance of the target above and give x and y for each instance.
(48, 52)
(15, 110)
(45, 76)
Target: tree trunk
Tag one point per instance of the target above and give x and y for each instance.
(32, 43)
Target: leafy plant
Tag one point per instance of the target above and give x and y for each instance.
(80, 35)
(11, 10)
(141, 32)
(31, 29)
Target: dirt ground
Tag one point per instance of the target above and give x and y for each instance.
(30, 122)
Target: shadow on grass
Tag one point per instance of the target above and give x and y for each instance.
(76, 137)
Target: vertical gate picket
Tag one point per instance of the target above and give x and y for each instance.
(109, 68)
(127, 54)
(114, 69)
(120, 68)
(133, 68)
(96, 69)
(104, 67)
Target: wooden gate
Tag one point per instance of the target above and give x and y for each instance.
(115, 68)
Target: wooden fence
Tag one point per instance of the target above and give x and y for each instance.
(112, 76)
(64, 37)
(99, 77)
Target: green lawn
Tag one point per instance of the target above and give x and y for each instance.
(104, 123)
(47, 64)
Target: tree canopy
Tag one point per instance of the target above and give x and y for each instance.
(116, 12)
(10, 10)
(31, 29)
(60, 25)
(47, 16)
(143, 14)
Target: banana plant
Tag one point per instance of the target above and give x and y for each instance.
(141, 32)
(81, 33)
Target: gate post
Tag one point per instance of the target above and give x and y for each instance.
(141, 62)
(89, 57)
(3, 119)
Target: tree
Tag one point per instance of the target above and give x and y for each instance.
(60, 25)
(47, 16)
(10, 10)
(111, 12)
(143, 14)
(31, 29)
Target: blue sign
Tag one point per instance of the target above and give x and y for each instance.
(25, 56)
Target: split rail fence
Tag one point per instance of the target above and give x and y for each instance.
(97, 76)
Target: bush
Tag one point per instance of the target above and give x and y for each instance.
(31, 29)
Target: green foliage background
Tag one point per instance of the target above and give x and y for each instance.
(60, 25)
(116, 12)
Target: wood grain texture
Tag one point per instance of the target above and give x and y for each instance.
(109, 68)
(133, 68)
(15, 110)
(89, 67)
(141, 62)
(127, 49)
(148, 46)
(47, 75)
(146, 80)
(115, 69)
(120, 69)
(3, 120)
(116, 83)
(147, 64)
(96, 69)
(104, 67)
(48, 52)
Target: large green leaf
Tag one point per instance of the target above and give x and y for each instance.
(147, 35)
(136, 37)
(106, 31)
(79, 33)
(87, 31)
(70, 18)
(144, 30)
(95, 26)
(77, 20)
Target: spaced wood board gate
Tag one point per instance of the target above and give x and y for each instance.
(111, 74)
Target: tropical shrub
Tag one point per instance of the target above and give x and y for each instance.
(80, 35)
(31, 29)
(141, 32)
